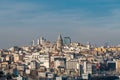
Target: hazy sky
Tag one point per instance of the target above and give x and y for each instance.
(96, 21)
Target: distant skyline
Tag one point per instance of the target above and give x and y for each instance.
(22, 21)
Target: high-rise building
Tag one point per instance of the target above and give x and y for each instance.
(59, 43)
(38, 41)
(42, 40)
(67, 40)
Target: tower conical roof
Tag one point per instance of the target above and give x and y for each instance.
(59, 37)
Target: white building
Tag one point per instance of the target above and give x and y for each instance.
(33, 65)
(59, 62)
(87, 68)
(72, 64)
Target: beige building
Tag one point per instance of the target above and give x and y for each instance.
(16, 57)
(7, 58)
(118, 65)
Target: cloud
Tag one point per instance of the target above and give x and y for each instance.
(23, 21)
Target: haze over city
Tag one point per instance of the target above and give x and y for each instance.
(96, 21)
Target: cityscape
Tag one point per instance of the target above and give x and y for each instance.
(59, 40)
(62, 60)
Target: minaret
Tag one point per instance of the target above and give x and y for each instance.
(33, 43)
(59, 43)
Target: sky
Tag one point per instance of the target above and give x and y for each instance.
(94, 21)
